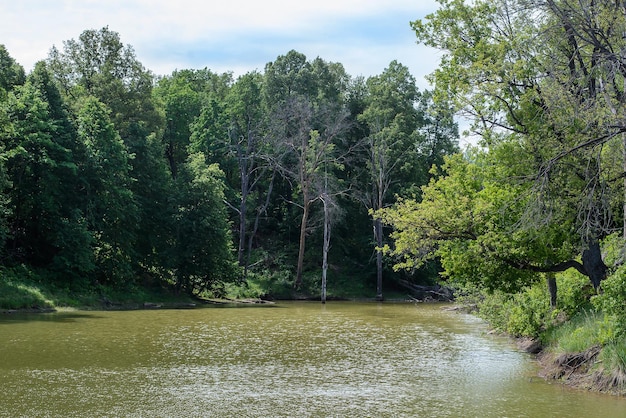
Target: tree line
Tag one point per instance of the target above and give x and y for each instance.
(110, 175)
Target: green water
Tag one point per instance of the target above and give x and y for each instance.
(285, 360)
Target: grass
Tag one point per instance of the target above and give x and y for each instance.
(23, 289)
(17, 295)
(577, 334)
(584, 353)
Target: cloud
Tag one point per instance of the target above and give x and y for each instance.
(234, 35)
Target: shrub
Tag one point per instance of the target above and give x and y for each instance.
(612, 300)
(574, 292)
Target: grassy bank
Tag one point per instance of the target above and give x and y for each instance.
(582, 352)
(581, 342)
(24, 289)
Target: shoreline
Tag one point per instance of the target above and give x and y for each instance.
(581, 371)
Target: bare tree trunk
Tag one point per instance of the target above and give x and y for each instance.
(551, 280)
(325, 248)
(242, 221)
(303, 223)
(378, 233)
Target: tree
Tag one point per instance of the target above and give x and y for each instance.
(392, 119)
(546, 74)
(203, 255)
(246, 131)
(403, 141)
(307, 121)
(183, 95)
(110, 207)
(11, 73)
(471, 217)
(307, 154)
(99, 65)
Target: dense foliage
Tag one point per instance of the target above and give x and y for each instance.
(200, 182)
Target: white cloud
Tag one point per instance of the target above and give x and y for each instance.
(189, 34)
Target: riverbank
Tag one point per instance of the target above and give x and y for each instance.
(596, 368)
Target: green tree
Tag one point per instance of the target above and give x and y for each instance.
(547, 75)
(405, 136)
(11, 73)
(392, 119)
(203, 257)
(99, 65)
(110, 207)
(307, 122)
(246, 132)
(183, 95)
(46, 226)
(472, 217)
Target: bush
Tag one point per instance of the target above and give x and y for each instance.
(528, 313)
(574, 292)
(612, 300)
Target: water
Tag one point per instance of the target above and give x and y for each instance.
(285, 360)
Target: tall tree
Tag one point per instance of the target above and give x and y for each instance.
(99, 65)
(246, 131)
(203, 257)
(11, 73)
(405, 136)
(47, 228)
(110, 206)
(308, 119)
(392, 119)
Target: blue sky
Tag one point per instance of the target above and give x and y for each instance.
(236, 35)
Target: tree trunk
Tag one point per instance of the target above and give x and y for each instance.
(551, 280)
(593, 263)
(378, 233)
(624, 166)
(325, 249)
(305, 217)
(242, 219)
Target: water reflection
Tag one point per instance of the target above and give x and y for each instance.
(341, 359)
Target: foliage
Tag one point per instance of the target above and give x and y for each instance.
(611, 300)
(111, 178)
(203, 256)
(528, 313)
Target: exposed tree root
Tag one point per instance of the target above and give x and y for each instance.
(582, 370)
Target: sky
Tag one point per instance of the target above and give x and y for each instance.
(234, 35)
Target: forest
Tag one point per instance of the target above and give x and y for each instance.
(115, 178)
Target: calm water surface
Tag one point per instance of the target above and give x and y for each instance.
(285, 360)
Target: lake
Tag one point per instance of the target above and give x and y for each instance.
(290, 359)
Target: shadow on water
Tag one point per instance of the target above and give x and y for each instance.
(21, 317)
(65, 316)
